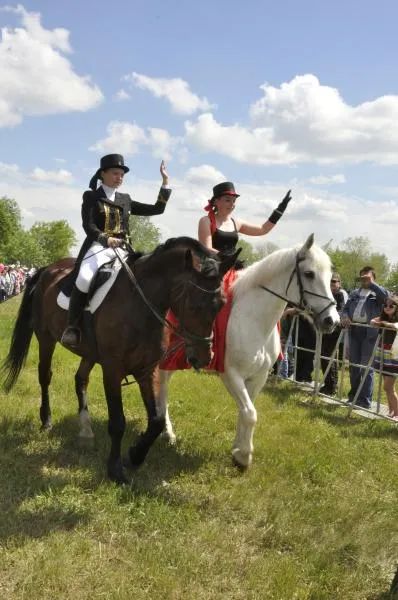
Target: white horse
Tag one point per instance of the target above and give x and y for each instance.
(300, 276)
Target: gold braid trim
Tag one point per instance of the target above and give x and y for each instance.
(107, 229)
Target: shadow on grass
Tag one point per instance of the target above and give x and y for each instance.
(358, 426)
(43, 474)
(384, 596)
(334, 414)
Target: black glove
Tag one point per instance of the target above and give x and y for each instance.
(280, 209)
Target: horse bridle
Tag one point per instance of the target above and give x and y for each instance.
(181, 331)
(303, 306)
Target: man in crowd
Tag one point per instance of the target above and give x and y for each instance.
(329, 340)
(363, 304)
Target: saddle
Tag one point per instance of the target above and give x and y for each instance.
(100, 285)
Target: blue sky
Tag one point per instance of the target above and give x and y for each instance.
(300, 95)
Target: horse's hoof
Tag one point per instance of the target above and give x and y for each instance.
(241, 460)
(46, 426)
(169, 438)
(241, 468)
(116, 474)
(86, 443)
(118, 477)
(135, 457)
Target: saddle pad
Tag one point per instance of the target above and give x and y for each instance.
(100, 294)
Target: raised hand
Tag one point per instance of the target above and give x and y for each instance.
(163, 172)
(280, 209)
(285, 200)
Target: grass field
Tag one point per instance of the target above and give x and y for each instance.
(314, 518)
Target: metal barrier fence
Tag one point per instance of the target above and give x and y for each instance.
(377, 409)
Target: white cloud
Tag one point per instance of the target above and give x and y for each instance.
(330, 216)
(128, 138)
(9, 170)
(162, 143)
(36, 79)
(122, 95)
(176, 91)
(388, 190)
(204, 174)
(327, 179)
(305, 121)
(253, 146)
(12, 173)
(61, 176)
(123, 137)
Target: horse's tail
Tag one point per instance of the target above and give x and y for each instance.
(21, 336)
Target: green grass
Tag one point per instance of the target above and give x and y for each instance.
(315, 517)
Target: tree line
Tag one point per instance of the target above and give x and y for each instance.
(47, 241)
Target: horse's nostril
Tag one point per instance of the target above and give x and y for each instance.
(328, 321)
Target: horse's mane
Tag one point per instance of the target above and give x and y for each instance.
(262, 271)
(187, 242)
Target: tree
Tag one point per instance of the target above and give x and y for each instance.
(55, 237)
(248, 254)
(145, 236)
(25, 249)
(265, 249)
(10, 221)
(392, 280)
(354, 254)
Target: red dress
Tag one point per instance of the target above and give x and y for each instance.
(176, 361)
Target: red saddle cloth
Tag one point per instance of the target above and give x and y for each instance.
(175, 359)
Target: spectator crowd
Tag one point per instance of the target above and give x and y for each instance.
(369, 314)
(13, 279)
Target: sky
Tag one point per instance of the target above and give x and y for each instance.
(270, 95)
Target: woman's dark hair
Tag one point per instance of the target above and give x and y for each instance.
(392, 298)
(212, 203)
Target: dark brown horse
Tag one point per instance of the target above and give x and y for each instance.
(129, 325)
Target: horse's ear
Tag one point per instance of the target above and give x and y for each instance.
(308, 244)
(228, 261)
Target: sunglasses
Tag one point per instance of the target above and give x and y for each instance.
(335, 281)
(390, 305)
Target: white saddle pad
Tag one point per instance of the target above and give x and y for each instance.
(100, 293)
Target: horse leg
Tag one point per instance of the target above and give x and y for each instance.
(46, 351)
(162, 405)
(82, 375)
(242, 449)
(155, 426)
(116, 422)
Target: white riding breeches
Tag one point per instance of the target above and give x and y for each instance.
(95, 256)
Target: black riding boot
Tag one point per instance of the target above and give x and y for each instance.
(72, 334)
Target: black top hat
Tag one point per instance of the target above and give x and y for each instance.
(110, 161)
(226, 188)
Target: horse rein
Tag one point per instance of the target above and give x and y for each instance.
(180, 331)
(303, 306)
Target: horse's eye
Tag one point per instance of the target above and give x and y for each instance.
(309, 274)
